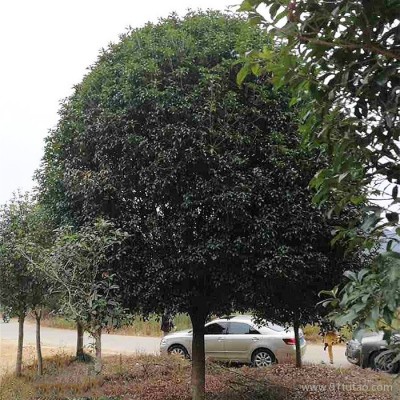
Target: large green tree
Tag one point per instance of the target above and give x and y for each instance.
(206, 177)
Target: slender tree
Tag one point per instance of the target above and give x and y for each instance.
(81, 264)
(23, 238)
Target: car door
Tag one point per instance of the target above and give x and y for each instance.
(214, 335)
(240, 341)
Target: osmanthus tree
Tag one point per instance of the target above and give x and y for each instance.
(81, 265)
(24, 237)
(206, 177)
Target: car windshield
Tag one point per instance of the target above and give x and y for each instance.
(275, 327)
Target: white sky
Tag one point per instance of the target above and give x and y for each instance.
(46, 47)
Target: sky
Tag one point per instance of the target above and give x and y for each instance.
(46, 48)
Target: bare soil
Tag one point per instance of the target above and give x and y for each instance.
(8, 355)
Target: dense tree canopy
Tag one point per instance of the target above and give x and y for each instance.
(206, 177)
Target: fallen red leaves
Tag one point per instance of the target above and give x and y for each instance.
(168, 378)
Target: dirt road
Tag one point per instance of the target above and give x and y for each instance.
(64, 339)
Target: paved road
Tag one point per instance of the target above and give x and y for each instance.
(64, 338)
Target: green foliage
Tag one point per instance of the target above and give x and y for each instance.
(24, 236)
(153, 139)
(80, 263)
(207, 177)
(371, 298)
(341, 61)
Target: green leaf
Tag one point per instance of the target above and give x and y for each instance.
(342, 176)
(256, 69)
(242, 74)
(361, 274)
(350, 275)
(375, 313)
(274, 9)
(245, 6)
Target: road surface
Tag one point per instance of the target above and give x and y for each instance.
(65, 338)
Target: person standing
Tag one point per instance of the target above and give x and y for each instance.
(167, 324)
(330, 339)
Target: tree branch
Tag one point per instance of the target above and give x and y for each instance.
(351, 46)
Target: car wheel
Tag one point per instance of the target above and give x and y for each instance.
(371, 360)
(178, 350)
(383, 362)
(262, 358)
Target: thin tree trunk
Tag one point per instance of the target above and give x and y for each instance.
(297, 340)
(38, 316)
(198, 356)
(18, 366)
(98, 365)
(79, 341)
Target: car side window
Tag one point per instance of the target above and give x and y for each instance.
(217, 328)
(241, 328)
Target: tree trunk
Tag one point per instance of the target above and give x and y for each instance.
(198, 356)
(98, 365)
(38, 316)
(79, 341)
(18, 366)
(297, 340)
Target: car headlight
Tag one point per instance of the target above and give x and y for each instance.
(163, 342)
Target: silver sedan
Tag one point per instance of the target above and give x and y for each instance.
(239, 339)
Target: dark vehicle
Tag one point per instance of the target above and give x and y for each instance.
(366, 346)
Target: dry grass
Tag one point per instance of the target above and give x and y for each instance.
(168, 378)
(8, 354)
(139, 327)
(311, 332)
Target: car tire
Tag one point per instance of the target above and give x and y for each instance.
(178, 350)
(262, 358)
(371, 360)
(382, 362)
